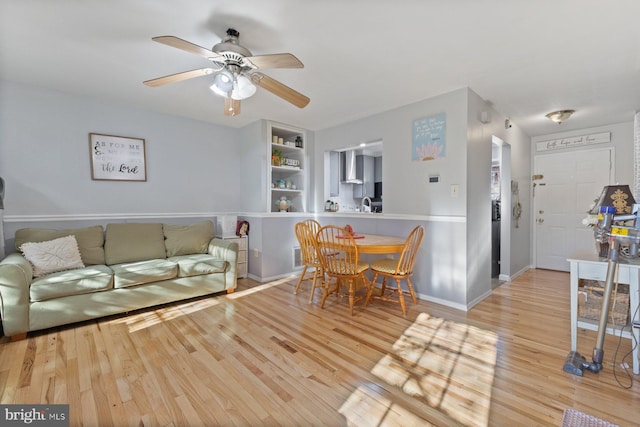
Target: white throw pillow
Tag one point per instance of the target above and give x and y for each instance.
(53, 255)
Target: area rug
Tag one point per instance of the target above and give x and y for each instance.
(573, 418)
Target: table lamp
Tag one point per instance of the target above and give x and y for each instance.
(618, 196)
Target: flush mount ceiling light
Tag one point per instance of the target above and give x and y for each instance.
(560, 115)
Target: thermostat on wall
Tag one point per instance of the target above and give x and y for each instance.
(434, 178)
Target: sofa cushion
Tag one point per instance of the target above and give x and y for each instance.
(138, 273)
(188, 239)
(131, 242)
(72, 282)
(53, 255)
(195, 265)
(90, 240)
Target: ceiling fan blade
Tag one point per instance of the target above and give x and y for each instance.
(172, 78)
(279, 89)
(186, 46)
(231, 106)
(276, 60)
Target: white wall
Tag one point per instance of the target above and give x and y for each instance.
(192, 166)
(467, 163)
(478, 184)
(479, 137)
(253, 166)
(195, 167)
(405, 186)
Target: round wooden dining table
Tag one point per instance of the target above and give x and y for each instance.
(378, 244)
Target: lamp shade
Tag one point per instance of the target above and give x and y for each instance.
(618, 196)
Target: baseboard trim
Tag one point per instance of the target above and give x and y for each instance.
(478, 300)
(520, 273)
(444, 302)
(272, 278)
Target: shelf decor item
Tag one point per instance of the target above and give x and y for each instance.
(276, 157)
(242, 228)
(284, 204)
(117, 158)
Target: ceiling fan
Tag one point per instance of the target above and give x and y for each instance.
(235, 74)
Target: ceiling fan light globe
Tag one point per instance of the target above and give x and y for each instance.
(243, 88)
(222, 83)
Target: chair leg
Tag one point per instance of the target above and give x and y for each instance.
(352, 294)
(326, 284)
(300, 279)
(316, 273)
(383, 287)
(413, 294)
(325, 291)
(372, 285)
(401, 298)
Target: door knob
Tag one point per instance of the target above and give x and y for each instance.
(541, 211)
(540, 220)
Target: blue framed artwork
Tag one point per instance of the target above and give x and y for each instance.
(429, 137)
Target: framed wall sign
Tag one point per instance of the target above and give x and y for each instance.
(429, 137)
(574, 141)
(117, 158)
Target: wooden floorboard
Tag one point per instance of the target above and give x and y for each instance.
(264, 356)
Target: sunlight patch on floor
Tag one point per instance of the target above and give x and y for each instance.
(147, 319)
(447, 365)
(258, 288)
(366, 408)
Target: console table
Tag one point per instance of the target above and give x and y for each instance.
(586, 265)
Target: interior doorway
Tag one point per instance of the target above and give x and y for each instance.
(501, 200)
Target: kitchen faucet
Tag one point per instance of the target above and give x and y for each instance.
(366, 208)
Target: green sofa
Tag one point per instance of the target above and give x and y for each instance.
(127, 266)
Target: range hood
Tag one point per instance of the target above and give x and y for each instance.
(348, 160)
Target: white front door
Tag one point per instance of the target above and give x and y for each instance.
(564, 190)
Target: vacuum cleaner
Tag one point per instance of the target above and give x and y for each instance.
(575, 363)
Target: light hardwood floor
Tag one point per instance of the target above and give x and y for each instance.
(264, 356)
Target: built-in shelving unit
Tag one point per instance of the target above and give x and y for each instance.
(286, 172)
